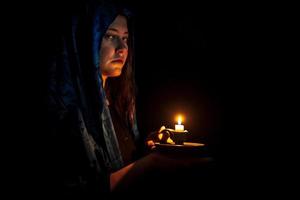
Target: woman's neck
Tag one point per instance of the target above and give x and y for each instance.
(103, 80)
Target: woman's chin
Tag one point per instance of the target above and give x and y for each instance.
(116, 73)
(112, 71)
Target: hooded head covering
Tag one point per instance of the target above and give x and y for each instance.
(76, 96)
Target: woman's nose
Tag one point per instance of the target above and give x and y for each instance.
(121, 47)
(121, 51)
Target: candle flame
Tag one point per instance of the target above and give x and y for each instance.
(179, 119)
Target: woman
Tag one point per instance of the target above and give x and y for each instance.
(91, 101)
(93, 137)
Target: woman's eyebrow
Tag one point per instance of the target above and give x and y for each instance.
(116, 30)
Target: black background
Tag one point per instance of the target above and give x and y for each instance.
(202, 60)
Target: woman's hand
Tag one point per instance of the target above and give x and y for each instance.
(162, 136)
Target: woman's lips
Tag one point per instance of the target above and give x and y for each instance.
(118, 60)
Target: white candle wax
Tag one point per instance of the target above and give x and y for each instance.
(179, 127)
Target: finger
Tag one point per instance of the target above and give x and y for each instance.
(170, 141)
(150, 143)
(162, 128)
(160, 136)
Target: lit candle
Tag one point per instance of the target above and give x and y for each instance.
(179, 126)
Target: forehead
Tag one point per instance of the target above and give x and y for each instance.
(120, 23)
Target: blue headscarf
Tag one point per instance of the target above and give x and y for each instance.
(76, 92)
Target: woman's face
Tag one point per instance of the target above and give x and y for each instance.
(114, 48)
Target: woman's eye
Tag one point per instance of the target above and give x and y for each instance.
(125, 39)
(109, 37)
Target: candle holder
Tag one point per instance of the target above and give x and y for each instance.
(179, 137)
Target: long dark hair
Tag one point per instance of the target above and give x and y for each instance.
(121, 90)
